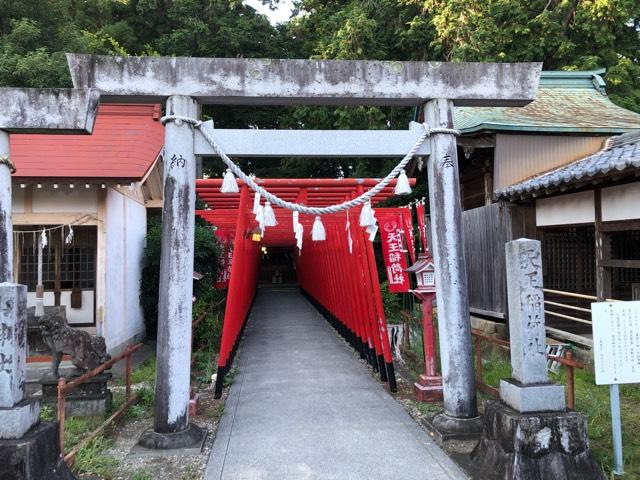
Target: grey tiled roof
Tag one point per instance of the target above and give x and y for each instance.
(620, 153)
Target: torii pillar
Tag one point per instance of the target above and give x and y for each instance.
(171, 428)
(460, 414)
(29, 449)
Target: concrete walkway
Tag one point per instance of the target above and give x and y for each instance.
(302, 406)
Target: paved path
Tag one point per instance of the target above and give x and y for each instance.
(302, 406)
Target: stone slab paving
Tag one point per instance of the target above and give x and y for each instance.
(302, 406)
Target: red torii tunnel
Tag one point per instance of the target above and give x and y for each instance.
(343, 286)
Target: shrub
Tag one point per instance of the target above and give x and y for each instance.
(206, 253)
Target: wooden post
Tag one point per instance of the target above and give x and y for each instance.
(127, 373)
(61, 411)
(488, 183)
(571, 403)
(603, 252)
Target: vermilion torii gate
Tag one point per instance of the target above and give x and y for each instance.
(341, 280)
(185, 82)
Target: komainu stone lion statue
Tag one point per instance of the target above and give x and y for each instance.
(87, 351)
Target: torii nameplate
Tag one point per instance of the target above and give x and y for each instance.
(242, 81)
(41, 110)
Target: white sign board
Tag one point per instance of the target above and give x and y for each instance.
(616, 342)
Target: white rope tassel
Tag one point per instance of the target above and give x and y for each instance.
(318, 233)
(260, 218)
(296, 221)
(299, 234)
(402, 184)
(229, 184)
(269, 215)
(367, 217)
(43, 238)
(256, 202)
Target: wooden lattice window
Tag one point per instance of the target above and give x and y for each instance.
(68, 266)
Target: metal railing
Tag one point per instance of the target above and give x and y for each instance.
(567, 361)
(65, 387)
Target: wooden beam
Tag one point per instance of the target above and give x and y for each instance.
(623, 226)
(621, 263)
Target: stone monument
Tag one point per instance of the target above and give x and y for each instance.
(529, 434)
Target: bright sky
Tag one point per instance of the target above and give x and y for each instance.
(282, 13)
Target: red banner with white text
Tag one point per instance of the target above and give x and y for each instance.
(421, 225)
(408, 233)
(391, 223)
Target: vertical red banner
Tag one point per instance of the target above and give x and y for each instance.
(408, 233)
(421, 225)
(395, 261)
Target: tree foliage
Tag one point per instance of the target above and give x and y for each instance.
(563, 34)
(205, 261)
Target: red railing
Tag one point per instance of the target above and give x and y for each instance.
(64, 388)
(567, 361)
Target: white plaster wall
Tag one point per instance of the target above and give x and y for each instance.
(573, 209)
(621, 202)
(17, 199)
(74, 315)
(126, 224)
(64, 199)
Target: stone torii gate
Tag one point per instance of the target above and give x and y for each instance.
(184, 83)
(28, 449)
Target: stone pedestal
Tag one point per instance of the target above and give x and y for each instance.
(35, 456)
(541, 397)
(88, 399)
(536, 446)
(428, 389)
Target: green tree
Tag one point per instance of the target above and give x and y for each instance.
(205, 261)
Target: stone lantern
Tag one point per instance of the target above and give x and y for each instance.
(428, 388)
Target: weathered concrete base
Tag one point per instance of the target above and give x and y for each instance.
(534, 446)
(192, 437)
(542, 397)
(451, 428)
(428, 389)
(88, 399)
(36, 456)
(17, 420)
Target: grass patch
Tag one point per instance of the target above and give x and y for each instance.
(47, 414)
(141, 475)
(216, 411)
(230, 377)
(143, 373)
(93, 459)
(77, 428)
(428, 408)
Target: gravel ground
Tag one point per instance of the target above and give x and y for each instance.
(162, 466)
